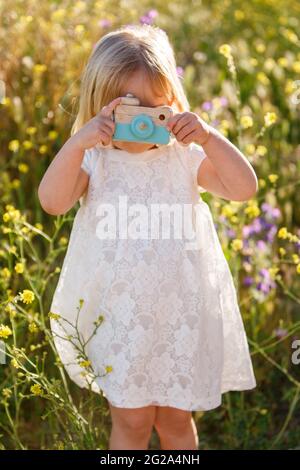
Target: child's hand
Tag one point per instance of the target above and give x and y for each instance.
(98, 129)
(188, 127)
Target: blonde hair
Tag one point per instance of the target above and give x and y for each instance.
(116, 56)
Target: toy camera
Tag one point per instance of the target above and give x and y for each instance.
(136, 123)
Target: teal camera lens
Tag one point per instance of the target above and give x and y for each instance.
(142, 126)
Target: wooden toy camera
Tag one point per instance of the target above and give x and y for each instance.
(135, 123)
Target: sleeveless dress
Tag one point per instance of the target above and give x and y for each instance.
(147, 319)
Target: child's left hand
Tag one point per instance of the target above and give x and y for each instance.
(188, 127)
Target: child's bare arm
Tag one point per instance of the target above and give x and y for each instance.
(64, 181)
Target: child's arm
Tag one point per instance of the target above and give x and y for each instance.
(64, 181)
(226, 171)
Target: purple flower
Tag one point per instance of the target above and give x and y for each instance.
(261, 245)
(149, 17)
(272, 212)
(207, 105)
(280, 332)
(223, 101)
(104, 23)
(248, 281)
(179, 71)
(230, 233)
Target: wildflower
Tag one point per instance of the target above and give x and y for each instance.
(14, 145)
(5, 331)
(237, 244)
(5, 272)
(296, 258)
(40, 68)
(85, 364)
(252, 210)
(225, 50)
(36, 389)
(19, 268)
(43, 149)
(282, 233)
(261, 150)
(23, 167)
(14, 363)
(108, 369)
(27, 296)
(270, 118)
(273, 178)
(6, 392)
(246, 121)
(54, 316)
(282, 251)
(27, 144)
(31, 130)
(52, 135)
(33, 327)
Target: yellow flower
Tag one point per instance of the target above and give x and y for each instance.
(6, 392)
(15, 183)
(19, 268)
(262, 78)
(270, 118)
(252, 210)
(27, 296)
(273, 178)
(298, 268)
(237, 244)
(43, 149)
(38, 226)
(79, 28)
(14, 145)
(5, 272)
(62, 241)
(5, 331)
(27, 144)
(14, 363)
(261, 150)
(282, 251)
(250, 149)
(40, 68)
(54, 316)
(246, 121)
(23, 167)
(225, 50)
(260, 47)
(85, 364)
(31, 130)
(33, 327)
(36, 389)
(296, 258)
(108, 369)
(282, 233)
(52, 135)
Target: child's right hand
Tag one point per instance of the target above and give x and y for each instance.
(98, 129)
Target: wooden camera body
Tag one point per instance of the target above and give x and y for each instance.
(134, 123)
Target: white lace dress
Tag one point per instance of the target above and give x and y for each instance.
(171, 332)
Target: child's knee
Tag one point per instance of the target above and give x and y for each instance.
(133, 419)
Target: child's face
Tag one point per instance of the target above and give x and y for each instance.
(139, 86)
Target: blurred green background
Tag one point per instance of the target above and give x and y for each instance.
(240, 66)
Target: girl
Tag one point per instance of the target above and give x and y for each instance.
(151, 322)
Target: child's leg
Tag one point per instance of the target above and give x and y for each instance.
(176, 429)
(131, 427)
